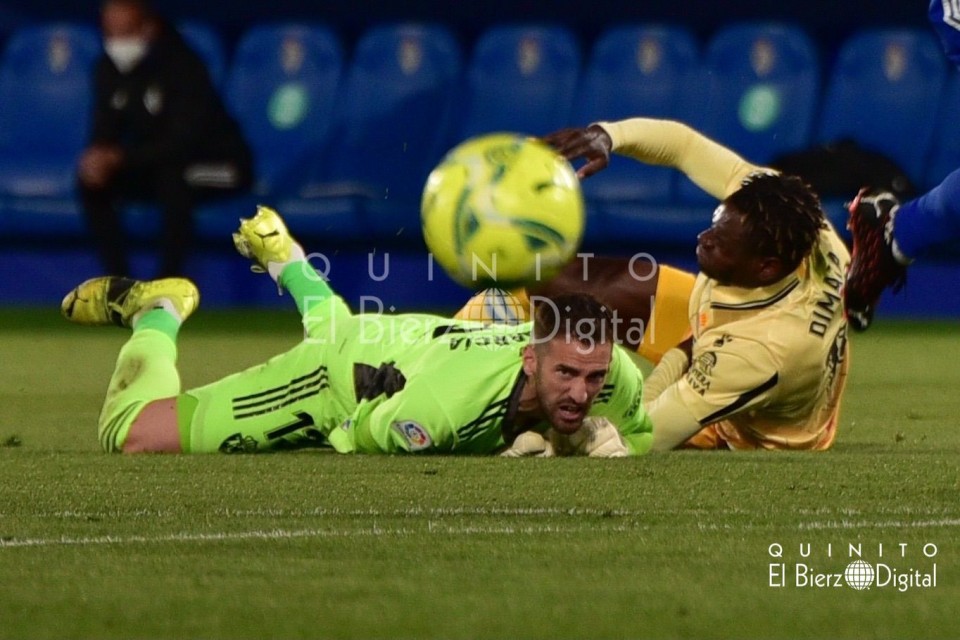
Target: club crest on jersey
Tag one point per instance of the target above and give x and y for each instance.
(416, 436)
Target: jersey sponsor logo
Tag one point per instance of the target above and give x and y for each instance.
(415, 435)
(701, 371)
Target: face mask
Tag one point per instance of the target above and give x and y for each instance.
(125, 52)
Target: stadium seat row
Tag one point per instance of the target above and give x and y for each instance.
(344, 143)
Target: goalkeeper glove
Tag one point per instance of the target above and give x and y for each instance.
(597, 438)
(529, 444)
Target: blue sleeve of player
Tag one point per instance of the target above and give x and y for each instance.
(931, 220)
(945, 18)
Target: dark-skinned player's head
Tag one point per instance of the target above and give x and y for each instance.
(762, 231)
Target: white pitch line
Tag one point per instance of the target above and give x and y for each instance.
(324, 511)
(890, 524)
(283, 534)
(833, 525)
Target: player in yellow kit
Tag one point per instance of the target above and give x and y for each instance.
(767, 361)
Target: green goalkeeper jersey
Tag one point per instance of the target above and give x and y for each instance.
(373, 383)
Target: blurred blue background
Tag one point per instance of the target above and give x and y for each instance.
(345, 139)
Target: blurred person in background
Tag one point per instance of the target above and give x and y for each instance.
(160, 134)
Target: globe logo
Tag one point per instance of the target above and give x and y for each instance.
(859, 575)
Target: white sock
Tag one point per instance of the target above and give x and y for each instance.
(276, 268)
(160, 303)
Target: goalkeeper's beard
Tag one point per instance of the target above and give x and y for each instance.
(564, 414)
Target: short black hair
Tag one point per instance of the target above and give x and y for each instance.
(572, 316)
(782, 216)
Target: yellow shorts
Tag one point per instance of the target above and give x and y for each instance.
(724, 435)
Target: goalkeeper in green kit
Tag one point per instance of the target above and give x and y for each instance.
(365, 383)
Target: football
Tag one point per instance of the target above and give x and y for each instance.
(502, 210)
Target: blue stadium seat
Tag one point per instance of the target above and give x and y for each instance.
(45, 89)
(391, 128)
(208, 44)
(761, 93)
(945, 154)
(883, 92)
(281, 87)
(520, 78)
(46, 94)
(635, 70)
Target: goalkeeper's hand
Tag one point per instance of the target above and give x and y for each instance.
(529, 444)
(597, 438)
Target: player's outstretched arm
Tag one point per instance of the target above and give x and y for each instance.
(713, 167)
(673, 421)
(591, 143)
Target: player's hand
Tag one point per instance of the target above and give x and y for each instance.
(597, 438)
(592, 144)
(529, 444)
(98, 164)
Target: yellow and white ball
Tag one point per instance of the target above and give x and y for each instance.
(502, 210)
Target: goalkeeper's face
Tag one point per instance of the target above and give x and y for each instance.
(567, 375)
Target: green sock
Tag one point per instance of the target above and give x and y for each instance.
(159, 320)
(305, 285)
(146, 370)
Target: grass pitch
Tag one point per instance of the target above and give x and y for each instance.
(314, 545)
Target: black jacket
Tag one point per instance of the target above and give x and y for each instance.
(165, 110)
